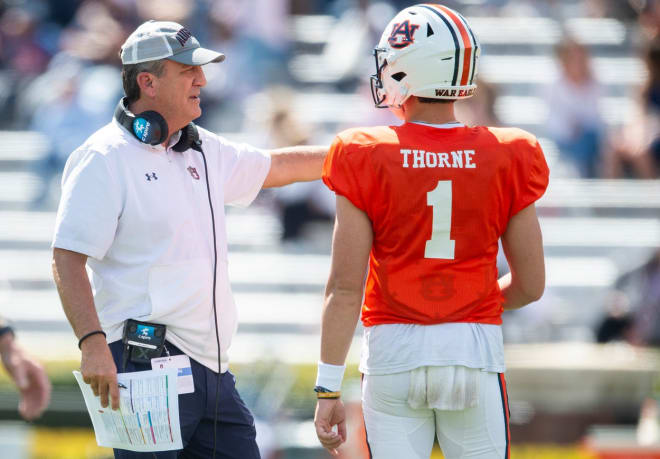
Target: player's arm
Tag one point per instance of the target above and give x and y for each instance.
(523, 248)
(97, 366)
(351, 244)
(295, 164)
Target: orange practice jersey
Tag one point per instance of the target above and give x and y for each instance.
(438, 201)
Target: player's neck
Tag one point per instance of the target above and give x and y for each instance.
(413, 111)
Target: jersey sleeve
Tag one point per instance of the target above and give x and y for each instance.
(89, 210)
(345, 173)
(530, 174)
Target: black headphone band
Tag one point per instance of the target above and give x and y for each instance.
(151, 128)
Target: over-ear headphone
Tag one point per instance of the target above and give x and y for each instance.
(151, 128)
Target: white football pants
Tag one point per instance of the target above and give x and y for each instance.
(401, 422)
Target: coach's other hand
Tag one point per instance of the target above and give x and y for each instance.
(99, 370)
(328, 414)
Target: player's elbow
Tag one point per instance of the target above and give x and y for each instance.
(344, 293)
(532, 289)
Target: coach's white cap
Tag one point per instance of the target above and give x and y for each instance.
(155, 40)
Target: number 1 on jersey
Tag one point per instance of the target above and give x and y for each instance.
(440, 245)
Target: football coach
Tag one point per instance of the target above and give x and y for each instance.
(142, 208)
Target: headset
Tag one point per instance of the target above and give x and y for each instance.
(151, 128)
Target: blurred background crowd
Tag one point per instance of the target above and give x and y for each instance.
(582, 75)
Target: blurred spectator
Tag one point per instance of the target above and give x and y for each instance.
(299, 203)
(28, 375)
(85, 102)
(635, 151)
(634, 314)
(227, 85)
(24, 54)
(479, 110)
(574, 121)
(21, 49)
(649, 16)
(616, 324)
(78, 91)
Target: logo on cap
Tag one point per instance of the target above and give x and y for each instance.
(183, 35)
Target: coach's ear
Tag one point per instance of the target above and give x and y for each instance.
(148, 84)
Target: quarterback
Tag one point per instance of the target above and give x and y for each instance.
(420, 209)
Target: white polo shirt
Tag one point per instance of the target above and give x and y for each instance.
(141, 215)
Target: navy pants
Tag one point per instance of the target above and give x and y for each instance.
(236, 435)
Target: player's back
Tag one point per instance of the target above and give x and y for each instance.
(438, 198)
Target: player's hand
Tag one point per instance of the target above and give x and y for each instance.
(328, 414)
(99, 370)
(29, 377)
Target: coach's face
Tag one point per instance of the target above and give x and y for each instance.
(178, 93)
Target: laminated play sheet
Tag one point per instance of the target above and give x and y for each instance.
(148, 414)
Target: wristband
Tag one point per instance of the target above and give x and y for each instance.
(323, 393)
(95, 332)
(330, 376)
(6, 329)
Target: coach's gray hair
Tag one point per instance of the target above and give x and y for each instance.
(129, 73)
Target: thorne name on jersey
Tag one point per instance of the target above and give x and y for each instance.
(458, 159)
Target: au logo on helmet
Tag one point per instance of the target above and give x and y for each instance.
(403, 34)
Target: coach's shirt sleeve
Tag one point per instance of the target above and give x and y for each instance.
(243, 169)
(89, 208)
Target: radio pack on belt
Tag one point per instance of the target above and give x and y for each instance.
(143, 340)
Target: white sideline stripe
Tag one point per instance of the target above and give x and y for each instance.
(310, 270)
(642, 194)
(18, 186)
(505, 69)
(530, 110)
(600, 232)
(248, 228)
(264, 230)
(245, 348)
(497, 69)
(545, 31)
(491, 30)
(23, 145)
(253, 308)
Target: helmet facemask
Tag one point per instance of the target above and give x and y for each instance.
(377, 90)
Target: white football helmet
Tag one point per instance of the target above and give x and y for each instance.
(427, 50)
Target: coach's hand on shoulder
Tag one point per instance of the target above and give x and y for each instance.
(99, 370)
(328, 414)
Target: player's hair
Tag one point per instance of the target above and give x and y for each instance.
(129, 73)
(430, 100)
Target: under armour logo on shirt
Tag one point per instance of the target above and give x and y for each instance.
(151, 176)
